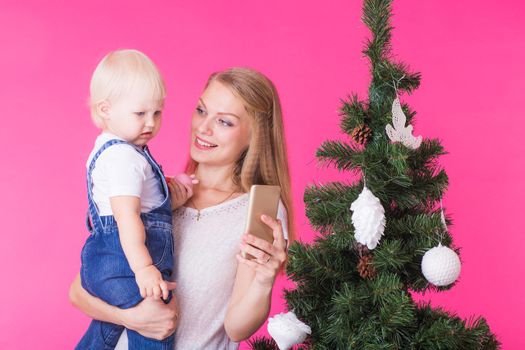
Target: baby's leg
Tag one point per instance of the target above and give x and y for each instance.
(100, 335)
(139, 342)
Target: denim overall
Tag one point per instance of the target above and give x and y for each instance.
(105, 271)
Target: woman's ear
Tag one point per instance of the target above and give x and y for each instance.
(103, 109)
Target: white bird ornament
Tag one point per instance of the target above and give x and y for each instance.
(399, 132)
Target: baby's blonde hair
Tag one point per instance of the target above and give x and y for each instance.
(122, 72)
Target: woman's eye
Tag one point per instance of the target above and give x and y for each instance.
(225, 122)
(200, 110)
(140, 114)
(157, 113)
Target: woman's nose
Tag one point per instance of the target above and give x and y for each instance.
(204, 126)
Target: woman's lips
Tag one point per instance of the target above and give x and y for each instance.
(203, 145)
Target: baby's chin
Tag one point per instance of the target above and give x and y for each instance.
(142, 140)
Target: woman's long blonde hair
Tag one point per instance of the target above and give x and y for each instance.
(265, 162)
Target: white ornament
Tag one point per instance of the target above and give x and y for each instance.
(287, 330)
(441, 266)
(368, 218)
(400, 133)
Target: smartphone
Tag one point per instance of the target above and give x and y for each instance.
(264, 199)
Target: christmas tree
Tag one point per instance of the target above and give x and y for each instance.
(354, 282)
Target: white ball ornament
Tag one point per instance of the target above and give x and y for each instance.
(368, 218)
(441, 266)
(287, 330)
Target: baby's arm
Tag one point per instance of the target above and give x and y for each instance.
(126, 210)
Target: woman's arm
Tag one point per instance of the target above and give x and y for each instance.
(151, 318)
(251, 297)
(92, 306)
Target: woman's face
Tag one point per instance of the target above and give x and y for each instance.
(220, 127)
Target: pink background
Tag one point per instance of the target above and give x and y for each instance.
(471, 56)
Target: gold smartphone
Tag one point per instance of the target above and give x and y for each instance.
(264, 199)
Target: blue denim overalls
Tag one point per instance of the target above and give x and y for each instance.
(105, 271)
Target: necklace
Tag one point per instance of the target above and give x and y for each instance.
(199, 210)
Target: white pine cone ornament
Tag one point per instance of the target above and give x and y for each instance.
(287, 330)
(441, 266)
(368, 218)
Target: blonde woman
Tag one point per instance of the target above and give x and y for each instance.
(237, 140)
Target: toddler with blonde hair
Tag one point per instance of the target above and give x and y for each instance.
(129, 253)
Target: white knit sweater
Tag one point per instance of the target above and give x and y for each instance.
(205, 268)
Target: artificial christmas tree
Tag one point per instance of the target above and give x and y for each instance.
(354, 296)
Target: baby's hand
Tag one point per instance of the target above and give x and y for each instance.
(150, 283)
(181, 189)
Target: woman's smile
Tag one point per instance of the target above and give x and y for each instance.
(202, 144)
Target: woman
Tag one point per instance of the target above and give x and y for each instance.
(236, 140)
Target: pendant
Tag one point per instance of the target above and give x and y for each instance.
(198, 215)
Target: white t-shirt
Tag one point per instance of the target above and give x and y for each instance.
(121, 170)
(205, 269)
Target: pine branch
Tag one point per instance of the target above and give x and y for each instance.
(426, 155)
(339, 154)
(426, 227)
(354, 114)
(320, 265)
(442, 330)
(391, 256)
(383, 286)
(376, 16)
(328, 206)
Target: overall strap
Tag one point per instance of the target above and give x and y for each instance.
(157, 168)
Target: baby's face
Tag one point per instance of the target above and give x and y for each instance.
(135, 117)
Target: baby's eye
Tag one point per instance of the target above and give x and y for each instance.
(140, 114)
(157, 113)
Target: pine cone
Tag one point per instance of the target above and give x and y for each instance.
(365, 267)
(361, 134)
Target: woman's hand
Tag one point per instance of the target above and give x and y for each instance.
(152, 318)
(269, 258)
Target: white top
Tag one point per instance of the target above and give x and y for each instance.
(122, 171)
(205, 269)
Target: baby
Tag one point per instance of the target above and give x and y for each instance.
(129, 253)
